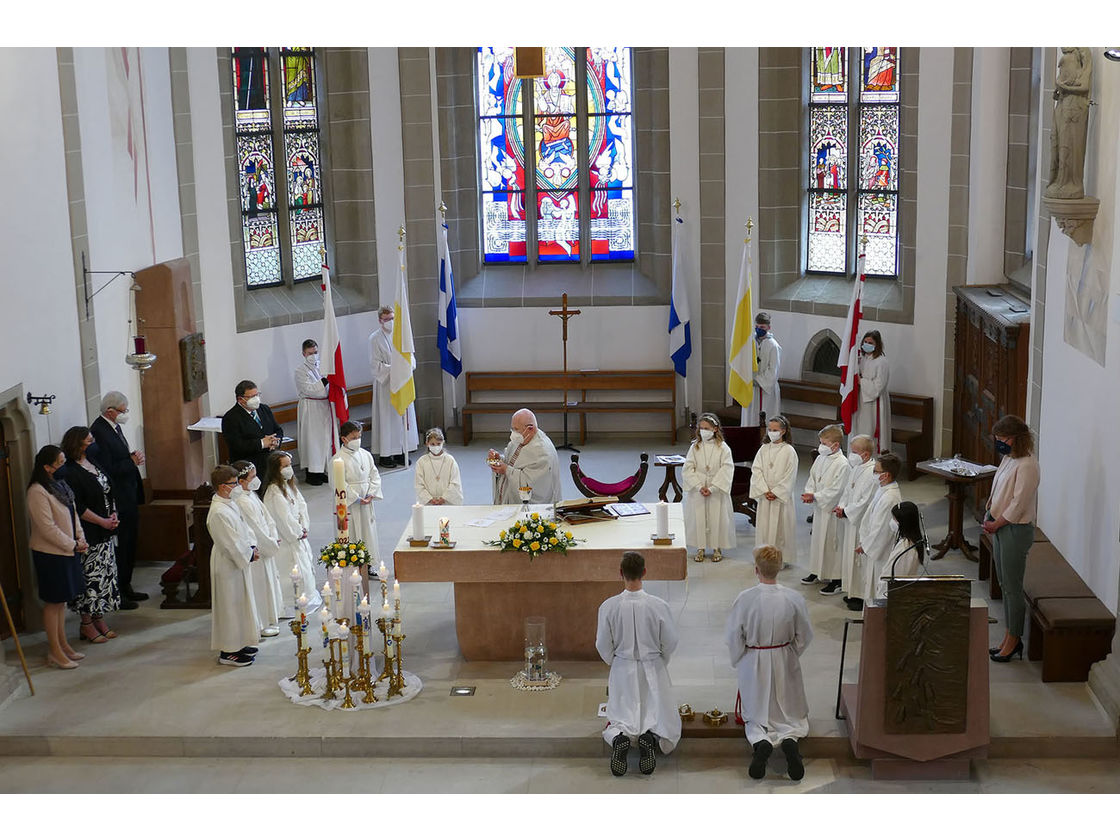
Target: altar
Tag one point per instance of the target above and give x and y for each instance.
(495, 591)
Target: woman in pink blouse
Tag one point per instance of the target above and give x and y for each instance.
(1010, 519)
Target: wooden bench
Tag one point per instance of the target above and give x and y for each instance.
(987, 566)
(578, 384)
(918, 442)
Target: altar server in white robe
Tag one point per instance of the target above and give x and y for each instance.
(234, 626)
(767, 631)
(264, 574)
(636, 636)
(767, 391)
(827, 478)
(314, 420)
(875, 534)
(706, 479)
(391, 438)
(873, 417)
(289, 511)
(529, 460)
(773, 473)
(861, 487)
(908, 554)
(363, 487)
(437, 479)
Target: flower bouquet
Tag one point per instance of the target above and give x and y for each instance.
(344, 554)
(534, 535)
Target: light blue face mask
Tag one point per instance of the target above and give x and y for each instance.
(867, 347)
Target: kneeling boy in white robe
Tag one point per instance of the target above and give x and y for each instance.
(767, 632)
(235, 627)
(636, 637)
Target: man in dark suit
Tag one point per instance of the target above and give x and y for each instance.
(249, 428)
(121, 463)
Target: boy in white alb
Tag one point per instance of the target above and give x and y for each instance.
(827, 479)
(862, 484)
(636, 637)
(234, 625)
(875, 534)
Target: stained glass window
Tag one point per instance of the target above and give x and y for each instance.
(867, 202)
(580, 157)
(290, 179)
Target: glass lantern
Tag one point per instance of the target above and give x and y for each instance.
(536, 652)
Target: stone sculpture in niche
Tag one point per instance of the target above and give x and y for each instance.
(1071, 123)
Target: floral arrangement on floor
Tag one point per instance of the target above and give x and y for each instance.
(344, 554)
(534, 535)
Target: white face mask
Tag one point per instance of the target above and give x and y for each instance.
(313, 359)
(122, 419)
(706, 434)
(774, 436)
(387, 326)
(255, 484)
(867, 347)
(893, 525)
(855, 459)
(516, 438)
(354, 445)
(286, 473)
(824, 449)
(435, 448)
(236, 491)
(253, 403)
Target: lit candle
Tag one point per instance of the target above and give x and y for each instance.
(396, 590)
(326, 595)
(417, 521)
(386, 610)
(295, 575)
(355, 588)
(382, 572)
(141, 344)
(335, 575)
(325, 617)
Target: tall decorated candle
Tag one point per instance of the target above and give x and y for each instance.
(341, 516)
(355, 590)
(335, 575)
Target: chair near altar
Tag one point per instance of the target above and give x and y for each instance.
(625, 490)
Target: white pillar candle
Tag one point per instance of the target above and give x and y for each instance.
(397, 591)
(382, 572)
(326, 595)
(417, 521)
(338, 471)
(355, 588)
(386, 610)
(662, 519)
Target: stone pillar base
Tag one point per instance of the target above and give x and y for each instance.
(1074, 216)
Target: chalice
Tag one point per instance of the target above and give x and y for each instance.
(526, 494)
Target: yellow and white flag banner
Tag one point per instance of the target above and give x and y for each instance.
(402, 385)
(744, 354)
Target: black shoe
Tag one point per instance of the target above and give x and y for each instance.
(1017, 650)
(793, 759)
(399, 459)
(237, 660)
(248, 650)
(762, 752)
(832, 588)
(620, 746)
(386, 463)
(648, 760)
(855, 604)
(133, 595)
(996, 649)
(128, 604)
(315, 479)
(809, 579)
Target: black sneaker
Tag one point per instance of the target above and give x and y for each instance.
(855, 604)
(762, 751)
(809, 579)
(248, 650)
(833, 588)
(648, 760)
(236, 659)
(620, 746)
(386, 463)
(793, 759)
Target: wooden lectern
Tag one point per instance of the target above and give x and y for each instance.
(920, 707)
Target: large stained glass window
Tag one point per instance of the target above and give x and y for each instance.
(865, 204)
(580, 157)
(280, 166)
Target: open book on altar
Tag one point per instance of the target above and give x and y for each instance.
(587, 509)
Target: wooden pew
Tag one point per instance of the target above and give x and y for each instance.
(579, 384)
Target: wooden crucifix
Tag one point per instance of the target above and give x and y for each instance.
(564, 313)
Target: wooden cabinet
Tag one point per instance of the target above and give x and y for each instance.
(991, 353)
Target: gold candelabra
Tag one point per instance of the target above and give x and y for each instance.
(303, 673)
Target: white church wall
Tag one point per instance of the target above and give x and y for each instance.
(1079, 496)
(917, 351)
(987, 173)
(39, 321)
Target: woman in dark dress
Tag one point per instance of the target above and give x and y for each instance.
(56, 541)
(94, 503)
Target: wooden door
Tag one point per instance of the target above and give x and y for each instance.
(9, 568)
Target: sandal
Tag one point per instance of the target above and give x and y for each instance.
(90, 633)
(103, 628)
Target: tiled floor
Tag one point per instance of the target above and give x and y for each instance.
(156, 690)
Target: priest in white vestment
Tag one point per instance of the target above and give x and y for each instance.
(827, 479)
(875, 535)
(706, 480)
(390, 437)
(363, 487)
(285, 502)
(234, 625)
(528, 461)
(437, 480)
(264, 574)
(314, 420)
(767, 631)
(636, 636)
(773, 473)
(860, 491)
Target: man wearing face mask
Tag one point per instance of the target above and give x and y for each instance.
(235, 624)
(111, 450)
(389, 437)
(314, 416)
(363, 486)
(528, 461)
(767, 392)
(249, 428)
